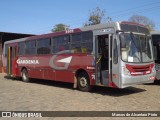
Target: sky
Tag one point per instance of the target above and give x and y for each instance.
(40, 16)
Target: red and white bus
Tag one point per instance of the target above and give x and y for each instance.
(116, 54)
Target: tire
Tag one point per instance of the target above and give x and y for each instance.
(25, 77)
(83, 82)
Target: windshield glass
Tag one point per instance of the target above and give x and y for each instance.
(136, 48)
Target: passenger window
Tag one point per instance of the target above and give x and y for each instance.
(21, 48)
(30, 47)
(82, 42)
(61, 43)
(87, 37)
(43, 46)
(76, 38)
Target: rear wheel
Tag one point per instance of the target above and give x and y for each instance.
(25, 77)
(83, 82)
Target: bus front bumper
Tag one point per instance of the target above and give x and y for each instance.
(127, 81)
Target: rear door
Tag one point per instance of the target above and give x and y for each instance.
(11, 60)
(14, 60)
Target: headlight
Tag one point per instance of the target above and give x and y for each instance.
(125, 71)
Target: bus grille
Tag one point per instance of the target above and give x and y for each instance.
(141, 68)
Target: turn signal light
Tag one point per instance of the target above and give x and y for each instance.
(151, 77)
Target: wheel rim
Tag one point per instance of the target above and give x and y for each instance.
(83, 82)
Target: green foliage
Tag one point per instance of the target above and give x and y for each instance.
(143, 20)
(60, 27)
(97, 16)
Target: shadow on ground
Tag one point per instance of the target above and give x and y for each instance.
(156, 82)
(12, 78)
(116, 92)
(96, 89)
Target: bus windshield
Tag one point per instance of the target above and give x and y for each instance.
(136, 48)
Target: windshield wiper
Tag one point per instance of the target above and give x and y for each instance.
(132, 38)
(146, 43)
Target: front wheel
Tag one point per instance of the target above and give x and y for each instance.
(83, 82)
(25, 77)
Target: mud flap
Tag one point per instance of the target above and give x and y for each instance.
(75, 82)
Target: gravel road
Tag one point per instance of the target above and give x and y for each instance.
(42, 95)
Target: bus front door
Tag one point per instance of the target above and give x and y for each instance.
(107, 67)
(11, 61)
(102, 59)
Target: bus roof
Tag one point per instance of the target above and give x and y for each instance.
(16, 40)
(114, 25)
(87, 28)
(155, 32)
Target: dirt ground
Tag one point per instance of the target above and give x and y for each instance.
(42, 95)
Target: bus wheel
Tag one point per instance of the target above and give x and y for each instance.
(25, 77)
(83, 82)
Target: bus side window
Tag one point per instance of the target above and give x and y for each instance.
(82, 42)
(60, 43)
(21, 48)
(76, 43)
(43, 46)
(30, 47)
(87, 42)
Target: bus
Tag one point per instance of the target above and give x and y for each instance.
(114, 54)
(155, 35)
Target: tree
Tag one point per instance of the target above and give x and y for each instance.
(97, 16)
(60, 27)
(143, 20)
